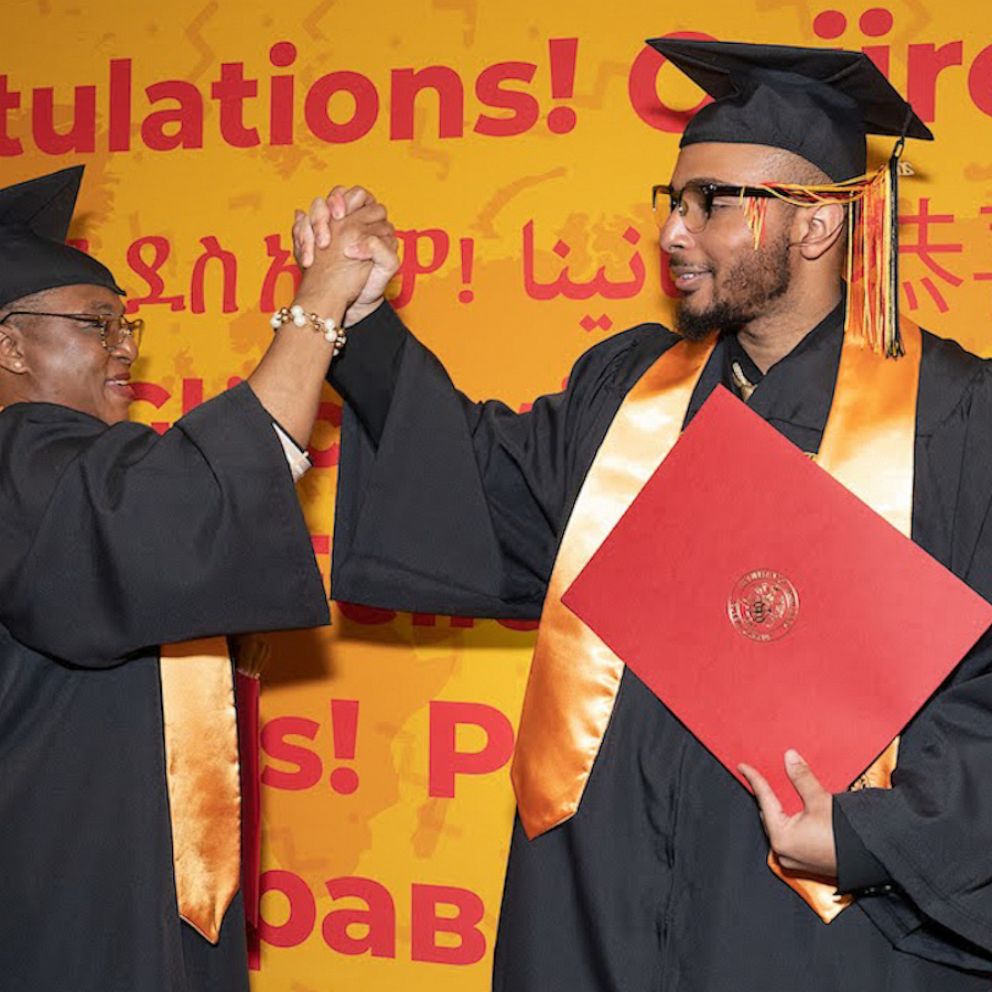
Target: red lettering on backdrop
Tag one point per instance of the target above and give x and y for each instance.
(435, 910)
(229, 269)
(9, 100)
(563, 53)
(521, 625)
(148, 271)
(445, 82)
(281, 94)
(119, 116)
(926, 63)
(307, 767)
(374, 617)
(344, 727)
(302, 909)
(491, 92)
(370, 616)
(328, 413)
(282, 264)
(150, 392)
(378, 916)
(81, 134)
(411, 266)
(642, 88)
(175, 127)
(366, 110)
(446, 761)
(158, 396)
(230, 91)
(427, 923)
(980, 81)
(181, 125)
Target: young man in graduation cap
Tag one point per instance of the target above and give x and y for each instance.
(637, 862)
(120, 812)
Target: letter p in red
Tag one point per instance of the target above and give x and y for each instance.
(446, 761)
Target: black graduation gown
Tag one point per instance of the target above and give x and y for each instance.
(659, 882)
(116, 540)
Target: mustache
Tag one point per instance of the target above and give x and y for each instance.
(678, 262)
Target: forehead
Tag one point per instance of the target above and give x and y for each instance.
(80, 298)
(730, 163)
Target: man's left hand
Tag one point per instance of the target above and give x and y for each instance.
(804, 842)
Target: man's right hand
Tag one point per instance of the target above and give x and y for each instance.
(314, 232)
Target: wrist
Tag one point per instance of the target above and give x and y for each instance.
(359, 311)
(331, 307)
(297, 317)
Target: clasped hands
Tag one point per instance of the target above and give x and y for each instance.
(347, 249)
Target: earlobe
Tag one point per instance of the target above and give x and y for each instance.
(824, 228)
(11, 356)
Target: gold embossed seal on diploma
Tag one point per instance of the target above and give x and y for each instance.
(763, 605)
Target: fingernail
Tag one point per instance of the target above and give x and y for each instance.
(793, 757)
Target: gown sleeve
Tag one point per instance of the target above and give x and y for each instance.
(932, 830)
(117, 539)
(449, 506)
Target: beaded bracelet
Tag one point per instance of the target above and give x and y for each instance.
(295, 314)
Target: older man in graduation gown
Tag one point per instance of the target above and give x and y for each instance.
(650, 872)
(119, 803)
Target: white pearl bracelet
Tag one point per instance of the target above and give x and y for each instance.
(295, 314)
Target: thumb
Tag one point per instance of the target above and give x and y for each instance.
(381, 253)
(360, 250)
(802, 777)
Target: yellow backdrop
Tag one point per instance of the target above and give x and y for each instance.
(515, 144)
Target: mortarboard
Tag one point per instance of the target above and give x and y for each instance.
(34, 221)
(819, 104)
(760, 637)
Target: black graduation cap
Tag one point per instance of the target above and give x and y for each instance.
(819, 103)
(34, 221)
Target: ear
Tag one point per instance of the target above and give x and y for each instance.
(821, 227)
(11, 353)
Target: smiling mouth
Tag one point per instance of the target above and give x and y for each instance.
(688, 279)
(122, 385)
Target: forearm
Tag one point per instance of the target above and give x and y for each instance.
(288, 379)
(366, 373)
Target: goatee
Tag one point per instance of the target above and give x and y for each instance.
(750, 285)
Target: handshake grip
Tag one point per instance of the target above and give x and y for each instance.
(348, 252)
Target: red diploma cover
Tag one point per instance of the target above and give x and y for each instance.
(770, 608)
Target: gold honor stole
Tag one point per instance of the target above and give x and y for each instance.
(202, 777)
(868, 445)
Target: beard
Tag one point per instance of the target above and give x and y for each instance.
(749, 286)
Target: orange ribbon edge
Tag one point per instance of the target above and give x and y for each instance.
(202, 778)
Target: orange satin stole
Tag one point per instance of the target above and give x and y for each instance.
(868, 445)
(202, 776)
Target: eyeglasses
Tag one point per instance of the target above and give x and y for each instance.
(113, 330)
(696, 202)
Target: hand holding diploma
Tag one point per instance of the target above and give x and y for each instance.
(803, 842)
